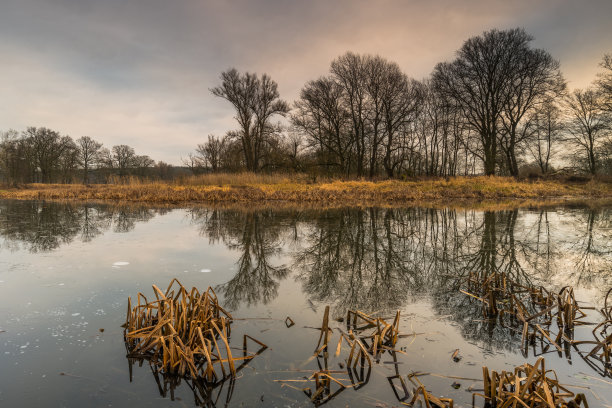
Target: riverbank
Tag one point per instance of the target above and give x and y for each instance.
(262, 190)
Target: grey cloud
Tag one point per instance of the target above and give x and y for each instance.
(138, 72)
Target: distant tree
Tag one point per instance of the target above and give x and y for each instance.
(47, 146)
(194, 163)
(588, 124)
(481, 81)
(141, 164)
(163, 170)
(400, 100)
(256, 100)
(88, 154)
(123, 158)
(211, 151)
(13, 164)
(69, 161)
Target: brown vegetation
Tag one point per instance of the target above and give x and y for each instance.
(185, 333)
(247, 187)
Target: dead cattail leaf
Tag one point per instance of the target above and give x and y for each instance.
(529, 386)
(184, 333)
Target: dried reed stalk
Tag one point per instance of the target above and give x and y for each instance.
(184, 333)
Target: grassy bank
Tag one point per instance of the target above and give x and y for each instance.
(248, 188)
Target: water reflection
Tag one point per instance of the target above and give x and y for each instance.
(257, 237)
(44, 226)
(371, 259)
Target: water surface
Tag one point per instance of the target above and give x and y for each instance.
(66, 271)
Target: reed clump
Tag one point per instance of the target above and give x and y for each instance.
(532, 307)
(184, 333)
(528, 386)
(534, 311)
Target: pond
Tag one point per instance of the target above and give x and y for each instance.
(67, 270)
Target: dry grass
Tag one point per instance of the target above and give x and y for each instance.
(252, 188)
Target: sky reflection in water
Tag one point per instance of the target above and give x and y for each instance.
(66, 272)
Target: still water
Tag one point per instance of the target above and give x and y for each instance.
(66, 271)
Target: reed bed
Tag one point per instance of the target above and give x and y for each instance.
(184, 333)
(251, 188)
(528, 386)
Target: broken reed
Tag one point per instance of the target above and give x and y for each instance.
(368, 338)
(537, 309)
(184, 333)
(602, 343)
(528, 386)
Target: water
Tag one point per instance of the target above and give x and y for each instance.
(66, 272)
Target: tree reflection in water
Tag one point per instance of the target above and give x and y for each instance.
(45, 226)
(370, 259)
(258, 237)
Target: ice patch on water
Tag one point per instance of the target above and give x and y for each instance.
(121, 263)
(205, 270)
(75, 314)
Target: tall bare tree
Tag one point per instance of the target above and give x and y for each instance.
(604, 82)
(256, 100)
(321, 116)
(547, 129)
(588, 124)
(349, 71)
(480, 80)
(536, 79)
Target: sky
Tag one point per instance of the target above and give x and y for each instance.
(139, 72)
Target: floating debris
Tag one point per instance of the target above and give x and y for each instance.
(528, 386)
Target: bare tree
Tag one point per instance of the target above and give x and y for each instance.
(401, 98)
(604, 82)
(211, 151)
(588, 124)
(479, 82)
(88, 154)
(47, 146)
(546, 136)
(536, 79)
(349, 71)
(123, 158)
(321, 116)
(256, 100)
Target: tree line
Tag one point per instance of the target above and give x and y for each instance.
(46, 156)
(501, 106)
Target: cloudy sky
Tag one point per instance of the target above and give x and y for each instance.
(138, 72)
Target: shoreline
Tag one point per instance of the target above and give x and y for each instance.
(455, 192)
